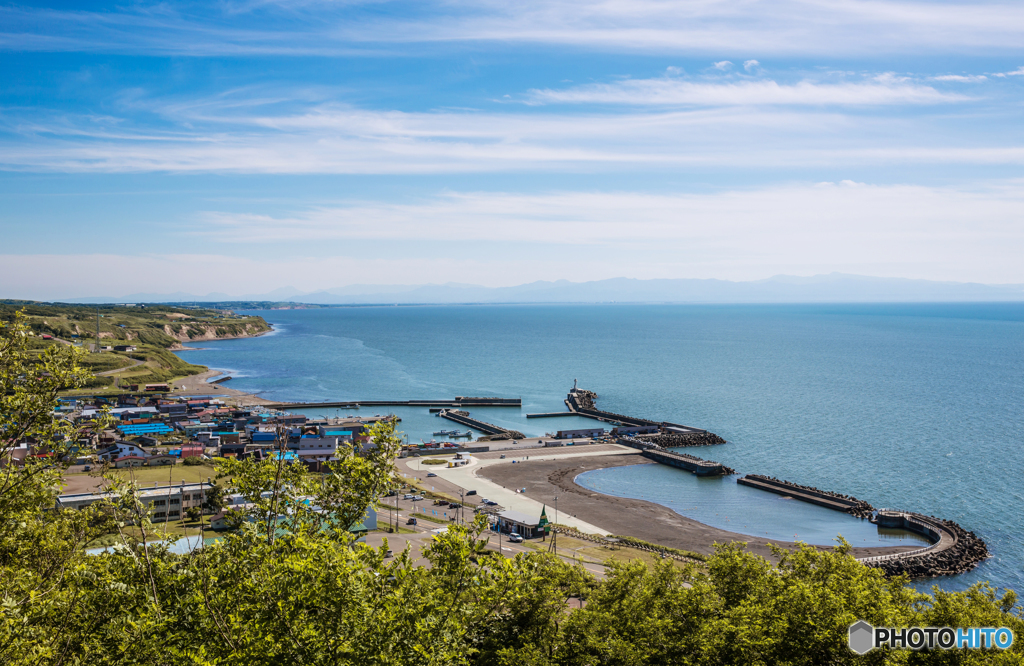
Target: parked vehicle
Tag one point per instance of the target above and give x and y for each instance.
(430, 474)
(515, 538)
(471, 492)
(411, 521)
(87, 468)
(417, 498)
(408, 496)
(454, 505)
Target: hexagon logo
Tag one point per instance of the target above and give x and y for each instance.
(861, 637)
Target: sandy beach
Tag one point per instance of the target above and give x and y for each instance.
(543, 479)
(200, 385)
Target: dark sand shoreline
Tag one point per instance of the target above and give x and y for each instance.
(543, 479)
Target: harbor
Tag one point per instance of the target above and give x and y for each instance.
(935, 547)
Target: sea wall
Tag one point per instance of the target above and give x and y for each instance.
(954, 550)
(846, 503)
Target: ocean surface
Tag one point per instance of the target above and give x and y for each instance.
(916, 407)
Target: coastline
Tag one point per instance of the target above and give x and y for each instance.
(546, 479)
(180, 346)
(200, 385)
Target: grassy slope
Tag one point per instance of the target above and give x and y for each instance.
(153, 329)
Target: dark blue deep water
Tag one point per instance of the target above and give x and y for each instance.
(919, 407)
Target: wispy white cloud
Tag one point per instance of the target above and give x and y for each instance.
(905, 230)
(942, 233)
(961, 78)
(847, 208)
(886, 90)
(333, 138)
(723, 65)
(697, 26)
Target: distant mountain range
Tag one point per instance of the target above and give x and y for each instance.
(832, 288)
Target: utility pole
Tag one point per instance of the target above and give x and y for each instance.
(554, 532)
(97, 350)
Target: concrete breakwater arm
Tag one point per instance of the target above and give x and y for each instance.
(491, 430)
(809, 494)
(698, 466)
(953, 551)
(583, 403)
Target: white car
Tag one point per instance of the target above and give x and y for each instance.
(417, 498)
(515, 538)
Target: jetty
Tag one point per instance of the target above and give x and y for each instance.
(495, 432)
(583, 403)
(693, 464)
(460, 401)
(822, 498)
(952, 549)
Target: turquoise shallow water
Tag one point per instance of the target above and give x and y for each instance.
(907, 406)
(723, 503)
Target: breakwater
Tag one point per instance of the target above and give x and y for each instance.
(460, 401)
(583, 403)
(674, 439)
(492, 431)
(810, 494)
(693, 464)
(698, 466)
(954, 550)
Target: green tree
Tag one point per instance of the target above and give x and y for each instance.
(293, 586)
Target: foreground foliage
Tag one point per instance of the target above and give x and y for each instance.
(292, 587)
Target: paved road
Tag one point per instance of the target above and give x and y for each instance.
(451, 480)
(421, 539)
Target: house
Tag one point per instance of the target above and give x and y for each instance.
(161, 459)
(144, 440)
(125, 348)
(227, 450)
(323, 445)
(163, 388)
(129, 461)
(120, 450)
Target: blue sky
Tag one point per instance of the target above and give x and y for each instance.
(244, 146)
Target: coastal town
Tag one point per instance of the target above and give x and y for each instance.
(524, 486)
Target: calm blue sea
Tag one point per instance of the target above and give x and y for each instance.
(916, 407)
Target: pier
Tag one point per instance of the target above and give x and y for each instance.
(583, 403)
(693, 464)
(496, 432)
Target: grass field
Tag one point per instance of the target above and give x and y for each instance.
(586, 551)
(145, 476)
